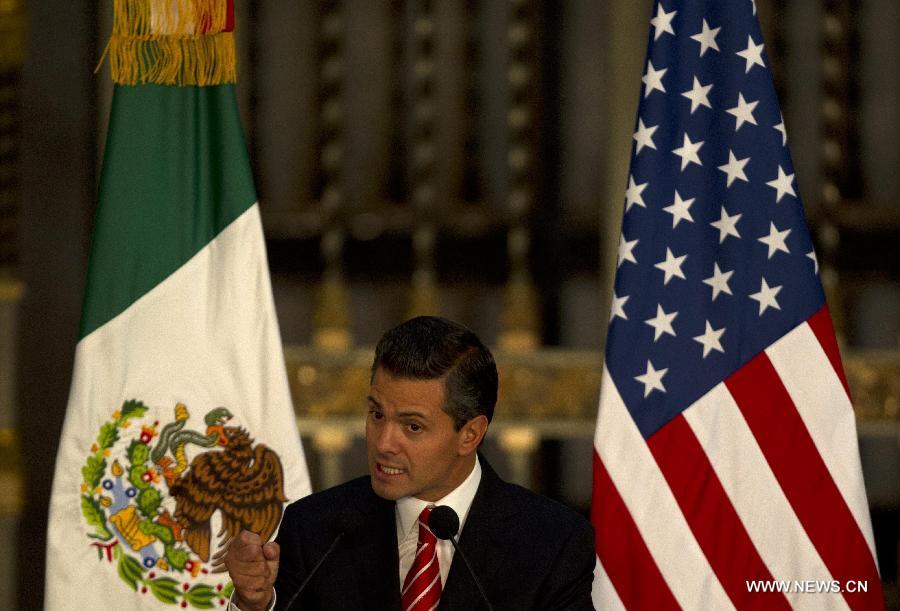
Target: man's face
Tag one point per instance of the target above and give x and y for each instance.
(413, 447)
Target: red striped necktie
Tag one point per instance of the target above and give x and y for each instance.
(422, 586)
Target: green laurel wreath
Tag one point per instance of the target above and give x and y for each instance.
(95, 466)
(166, 589)
(132, 572)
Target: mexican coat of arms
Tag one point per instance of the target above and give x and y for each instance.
(151, 493)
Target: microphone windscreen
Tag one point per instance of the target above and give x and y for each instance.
(443, 522)
(349, 522)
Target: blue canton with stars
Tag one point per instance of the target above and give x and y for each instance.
(715, 261)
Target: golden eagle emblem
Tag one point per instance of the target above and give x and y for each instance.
(243, 482)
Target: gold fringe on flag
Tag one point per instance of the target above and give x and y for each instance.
(171, 42)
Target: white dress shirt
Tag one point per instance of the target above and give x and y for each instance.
(407, 513)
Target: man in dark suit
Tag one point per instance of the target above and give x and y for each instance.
(432, 396)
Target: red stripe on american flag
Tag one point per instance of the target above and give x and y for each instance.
(622, 550)
(784, 440)
(823, 329)
(711, 516)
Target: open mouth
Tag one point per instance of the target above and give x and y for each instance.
(386, 470)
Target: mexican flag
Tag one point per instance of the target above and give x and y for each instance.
(180, 429)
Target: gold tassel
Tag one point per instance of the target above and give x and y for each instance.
(171, 42)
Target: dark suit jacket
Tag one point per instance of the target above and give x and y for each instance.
(528, 551)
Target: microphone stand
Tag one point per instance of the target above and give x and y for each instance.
(313, 571)
(348, 523)
(444, 524)
(471, 572)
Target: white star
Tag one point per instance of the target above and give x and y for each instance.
(633, 194)
(743, 112)
(719, 281)
(727, 225)
(662, 22)
(688, 152)
(812, 255)
(671, 267)
(653, 79)
(782, 185)
(617, 308)
(710, 339)
(652, 380)
(752, 54)
(780, 127)
(625, 251)
(679, 210)
(766, 297)
(662, 323)
(644, 136)
(707, 38)
(775, 240)
(698, 95)
(734, 168)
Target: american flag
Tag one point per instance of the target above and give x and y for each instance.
(726, 452)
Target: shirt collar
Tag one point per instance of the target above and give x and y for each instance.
(459, 499)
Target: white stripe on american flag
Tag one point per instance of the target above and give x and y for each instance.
(757, 497)
(603, 594)
(826, 411)
(801, 472)
(652, 505)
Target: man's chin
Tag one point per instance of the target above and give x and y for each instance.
(385, 491)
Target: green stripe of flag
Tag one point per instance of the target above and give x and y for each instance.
(170, 183)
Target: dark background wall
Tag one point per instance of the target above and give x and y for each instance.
(58, 173)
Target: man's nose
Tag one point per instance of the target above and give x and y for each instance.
(386, 439)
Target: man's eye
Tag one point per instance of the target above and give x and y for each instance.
(375, 414)
(415, 428)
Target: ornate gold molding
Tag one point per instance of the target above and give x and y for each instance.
(328, 382)
(874, 380)
(547, 385)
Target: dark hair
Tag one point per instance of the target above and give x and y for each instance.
(427, 348)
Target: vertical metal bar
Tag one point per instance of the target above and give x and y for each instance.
(835, 145)
(472, 180)
(521, 323)
(12, 56)
(423, 150)
(332, 314)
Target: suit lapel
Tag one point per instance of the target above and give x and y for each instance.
(482, 541)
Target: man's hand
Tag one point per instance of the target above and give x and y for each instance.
(252, 567)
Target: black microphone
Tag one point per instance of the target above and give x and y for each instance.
(444, 523)
(347, 525)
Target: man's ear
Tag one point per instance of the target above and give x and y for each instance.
(472, 432)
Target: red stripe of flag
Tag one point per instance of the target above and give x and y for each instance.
(791, 453)
(822, 328)
(622, 550)
(711, 516)
(229, 16)
(205, 19)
